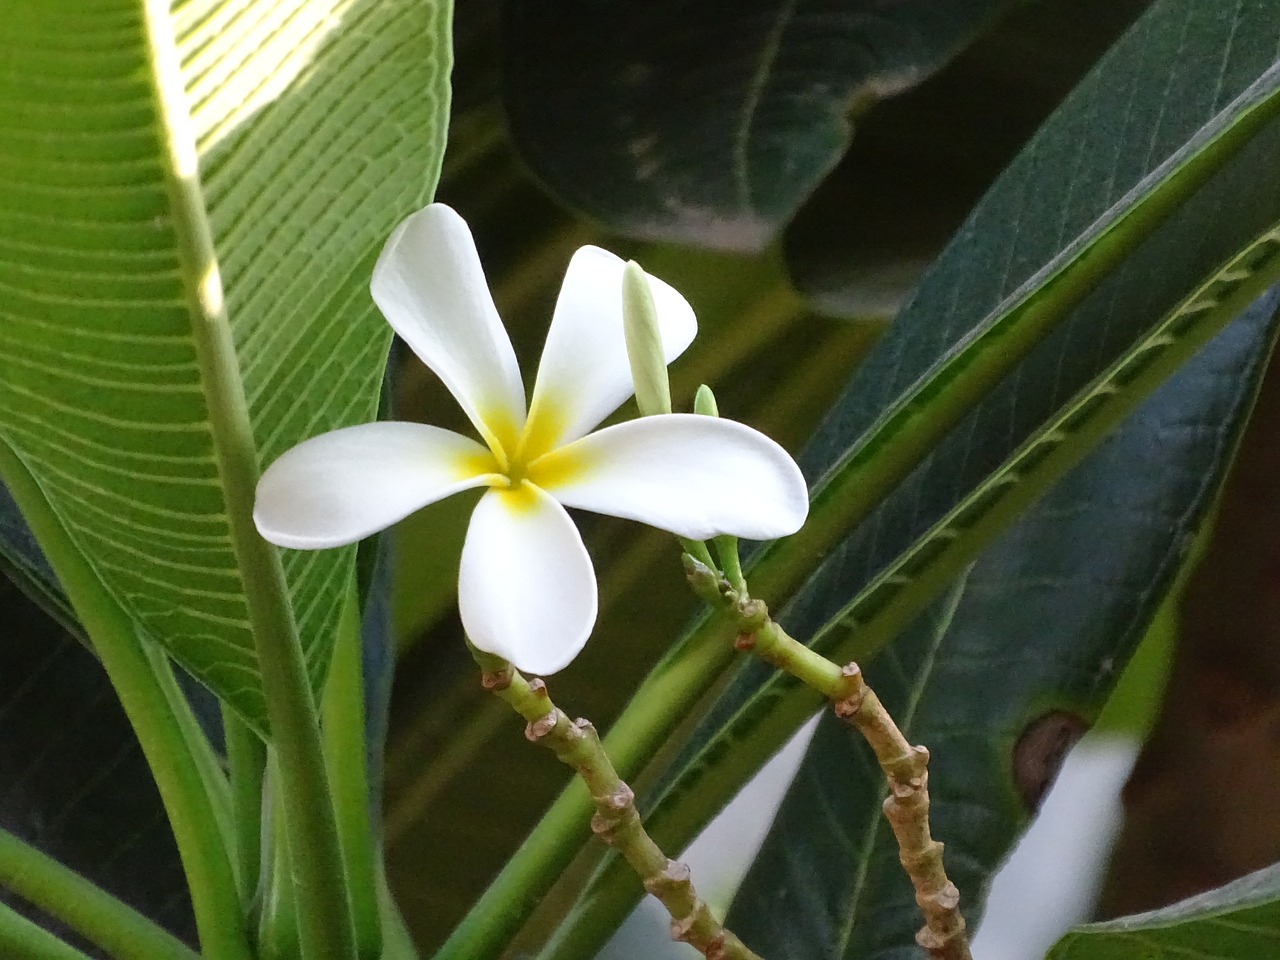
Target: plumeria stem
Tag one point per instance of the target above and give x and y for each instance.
(616, 821)
(84, 906)
(20, 939)
(344, 724)
(905, 766)
(698, 550)
(246, 766)
(730, 563)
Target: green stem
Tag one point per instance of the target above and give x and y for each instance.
(207, 764)
(730, 562)
(192, 814)
(697, 549)
(324, 913)
(84, 906)
(343, 729)
(246, 765)
(278, 925)
(20, 939)
(397, 941)
(616, 820)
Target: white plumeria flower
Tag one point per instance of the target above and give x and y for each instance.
(526, 587)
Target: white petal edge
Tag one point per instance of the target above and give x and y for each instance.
(695, 476)
(526, 587)
(342, 486)
(429, 284)
(584, 374)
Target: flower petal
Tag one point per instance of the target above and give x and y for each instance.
(694, 476)
(526, 587)
(341, 487)
(430, 286)
(584, 374)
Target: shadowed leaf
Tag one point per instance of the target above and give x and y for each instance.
(689, 121)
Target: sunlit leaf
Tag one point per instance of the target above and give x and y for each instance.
(154, 168)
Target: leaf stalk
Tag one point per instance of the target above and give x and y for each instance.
(93, 913)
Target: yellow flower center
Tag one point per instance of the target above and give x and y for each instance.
(532, 456)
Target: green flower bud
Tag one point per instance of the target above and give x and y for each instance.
(704, 402)
(644, 342)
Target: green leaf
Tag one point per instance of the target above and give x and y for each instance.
(602, 103)
(921, 160)
(1136, 224)
(1239, 921)
(312, 126)
(1053, 610)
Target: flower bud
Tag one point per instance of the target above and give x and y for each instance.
(704, 402)
(644, 342)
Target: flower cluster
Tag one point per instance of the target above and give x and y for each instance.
(526, 587)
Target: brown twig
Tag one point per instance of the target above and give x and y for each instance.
(905, 766)
(907, 810)
(616, 820)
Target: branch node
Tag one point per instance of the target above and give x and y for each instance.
(946, 899)
(539, 729)
(496, 681)
(674, 874)
(615, 814)
(753, 614)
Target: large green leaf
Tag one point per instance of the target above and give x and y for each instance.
(154, 167)
(1137, 223)
(1053, 610)
(680, 120)
(1239, 921)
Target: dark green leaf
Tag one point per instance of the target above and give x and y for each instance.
(922, 159)
(691, 121)
(1240, 921)
(997, 679)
